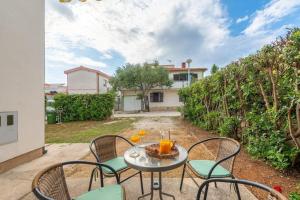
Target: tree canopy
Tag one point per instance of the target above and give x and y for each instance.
(141, 78)
(214, 69)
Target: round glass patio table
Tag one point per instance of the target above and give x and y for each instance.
(146, 163)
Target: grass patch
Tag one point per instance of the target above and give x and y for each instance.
(84, 131)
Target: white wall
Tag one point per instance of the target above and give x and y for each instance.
(82, 82)
(22, 72)
(171, 99)
(181, 84)
(102, 87)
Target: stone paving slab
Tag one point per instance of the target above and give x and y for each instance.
(16, 182)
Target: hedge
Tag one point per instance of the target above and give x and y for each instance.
(255, 101)
(80, 107)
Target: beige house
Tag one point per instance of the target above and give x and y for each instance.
(21, 82)
(51, 89)
(163, 98)
(83, 80)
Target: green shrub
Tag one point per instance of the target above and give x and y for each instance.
(294, 196)
(211, 120)
(80, 107)
(273, 149)
(229, 127)
(266, 142)
(250, 99)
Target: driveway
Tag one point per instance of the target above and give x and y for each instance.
(148, 114)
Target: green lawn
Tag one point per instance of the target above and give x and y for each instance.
(84, 131)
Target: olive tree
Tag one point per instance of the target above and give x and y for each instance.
(141, 78)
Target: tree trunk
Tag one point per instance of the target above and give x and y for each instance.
(146, 101)
(297, 73)
(225, 99)
(206, 104)
(274, 89)
(262, 91)
(290, 126)
(142, 103)
(238, 87)
(296, 135)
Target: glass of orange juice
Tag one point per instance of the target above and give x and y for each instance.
(165, 146)
(135, 139)
(141, 133)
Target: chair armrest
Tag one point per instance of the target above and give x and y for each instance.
(130, 143)
(243, 182)
(93, 152)
(40, 195)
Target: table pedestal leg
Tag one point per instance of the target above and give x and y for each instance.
(161, 193)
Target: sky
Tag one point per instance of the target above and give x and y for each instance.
(107, 34)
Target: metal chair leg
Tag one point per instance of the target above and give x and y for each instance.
(141, 180)
(182, 176)
(206, 192)
(216, 186)
(236, 187)
(91, 178)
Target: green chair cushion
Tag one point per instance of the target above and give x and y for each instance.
(202, 167)
(110, 192)
(117, 164)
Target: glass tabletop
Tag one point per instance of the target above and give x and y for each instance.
(150, 164)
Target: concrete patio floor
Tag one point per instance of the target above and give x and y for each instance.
(78, 186)
(16, 182)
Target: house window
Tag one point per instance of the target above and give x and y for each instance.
(156, 97)
(184, 76)
(194, 76)
(53, 92)
(180, 77)
(10, 120)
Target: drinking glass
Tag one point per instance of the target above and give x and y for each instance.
(141, 133)
(135, 139)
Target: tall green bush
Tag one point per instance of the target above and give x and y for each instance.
(255, 100)
(79, 107)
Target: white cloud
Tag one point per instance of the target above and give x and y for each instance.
(152, 29)
(272, 12)
(71, 60)
(132, 28)
(242, 19)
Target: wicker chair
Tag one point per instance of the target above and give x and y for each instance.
(221, 167)
(51, 184)
(273, 194)
(104, 150)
